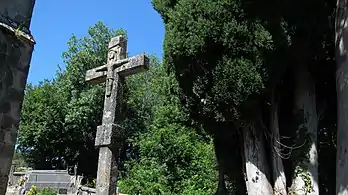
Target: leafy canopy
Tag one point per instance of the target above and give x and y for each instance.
(216, 54)
(173, 159)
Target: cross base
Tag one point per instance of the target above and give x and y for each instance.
(109, 139)
(107, 171)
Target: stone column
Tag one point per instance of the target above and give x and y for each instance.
(16, 47)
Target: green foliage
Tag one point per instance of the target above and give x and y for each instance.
(216, 54)
(22, 180)
(91, 183)
(173, 159)
(41, 122)
(33, 191)
(44, 191)
(18, 160)
(20, 170)
(47, 191)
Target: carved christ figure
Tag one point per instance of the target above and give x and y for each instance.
(116, 53)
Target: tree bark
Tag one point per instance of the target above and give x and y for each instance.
(220, 161)
(341, 43)
(222, 185)
(305, 178)
(277, 163)
(257, 171)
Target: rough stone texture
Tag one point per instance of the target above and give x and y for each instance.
(128, 67)
(17, 13)
(15, 54)
(110, 135)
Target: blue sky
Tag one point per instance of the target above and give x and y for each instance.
(54, 22)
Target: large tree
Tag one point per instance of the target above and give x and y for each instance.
(250, 76)
(216, 54)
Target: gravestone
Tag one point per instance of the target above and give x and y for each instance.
(59, 180)
(16, 47)
(110, 134)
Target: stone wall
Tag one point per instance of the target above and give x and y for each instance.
(16, 47)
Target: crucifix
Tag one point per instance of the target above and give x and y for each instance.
(110, 134)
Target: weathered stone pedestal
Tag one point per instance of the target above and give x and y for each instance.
(16, 47)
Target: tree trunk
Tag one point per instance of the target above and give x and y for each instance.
(218, 145)
(257, 171)
(222, 185)
(305, 178)
(277, 163)
(229, 159)
(341, 42)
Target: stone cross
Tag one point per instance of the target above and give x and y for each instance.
(110, 135)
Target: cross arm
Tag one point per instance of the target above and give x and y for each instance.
(96, 75)
(127, 67)
(136, 64)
